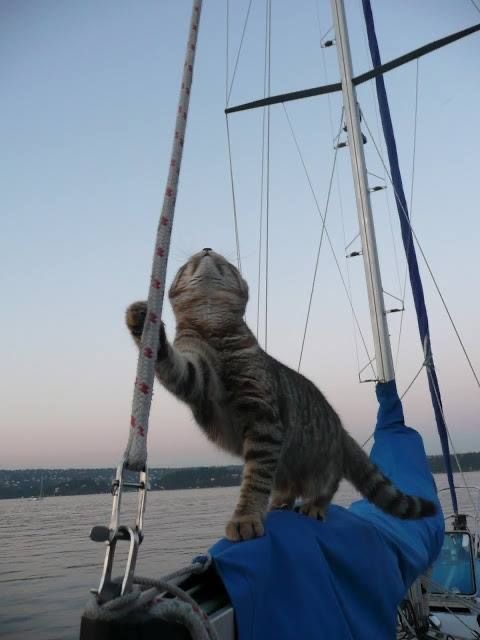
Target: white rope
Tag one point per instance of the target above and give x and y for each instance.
(136, 451)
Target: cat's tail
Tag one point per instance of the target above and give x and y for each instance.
(367, 478)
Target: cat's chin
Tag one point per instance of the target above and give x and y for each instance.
(244, 527)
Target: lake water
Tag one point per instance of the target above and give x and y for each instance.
(48, 563)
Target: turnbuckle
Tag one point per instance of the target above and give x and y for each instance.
(108, 588)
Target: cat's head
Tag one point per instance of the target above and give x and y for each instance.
(209, 290)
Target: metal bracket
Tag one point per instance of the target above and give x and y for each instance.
(109, 589)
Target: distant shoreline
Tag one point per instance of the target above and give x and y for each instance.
(32, 483)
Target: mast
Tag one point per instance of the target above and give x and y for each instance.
(383, 350)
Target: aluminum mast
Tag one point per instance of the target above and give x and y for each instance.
(383, 350)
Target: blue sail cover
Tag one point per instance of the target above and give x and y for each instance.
(409, 246)
(342, 578)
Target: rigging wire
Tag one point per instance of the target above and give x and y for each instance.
(401, 397)
(451, 320)
(454, 451)
(322, 37)
(232, 183)
(384, 177)
(439, 588)
(413, 381)
(427, 264)
(414, 152)
(317, 260)
(387, 201)
(265, 176)
(267, 190)
(227, 97)
(367, 440)
(411, 207)
(229, 90)
(262, 182)
(324, 220)
(475, 5)
(327, 235)
(227, 47)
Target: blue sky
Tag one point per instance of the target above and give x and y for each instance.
(89, 99)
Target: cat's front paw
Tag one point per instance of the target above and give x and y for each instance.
(244, 527)
(135, 318)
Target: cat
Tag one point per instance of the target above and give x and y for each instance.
(291, 439)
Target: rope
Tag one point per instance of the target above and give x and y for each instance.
(136, 451)
(149, 601)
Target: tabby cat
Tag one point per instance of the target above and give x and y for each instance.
(251, 405)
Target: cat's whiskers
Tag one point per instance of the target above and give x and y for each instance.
(248, 403)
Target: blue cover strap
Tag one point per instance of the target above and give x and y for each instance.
(409, 246)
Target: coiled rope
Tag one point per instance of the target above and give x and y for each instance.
(151, 598)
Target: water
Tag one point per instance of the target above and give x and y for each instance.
(48, 563)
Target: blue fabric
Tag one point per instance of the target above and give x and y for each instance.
(409, 246)
(341, 579)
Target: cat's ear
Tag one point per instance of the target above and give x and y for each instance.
(245, 290)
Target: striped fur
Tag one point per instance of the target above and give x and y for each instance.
(248, 403)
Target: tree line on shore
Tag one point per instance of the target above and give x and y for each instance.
(27, 483)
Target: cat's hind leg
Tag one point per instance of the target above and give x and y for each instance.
(316, 508)
(321, 496)
(282, 500)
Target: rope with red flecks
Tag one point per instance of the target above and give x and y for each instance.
(136, 451)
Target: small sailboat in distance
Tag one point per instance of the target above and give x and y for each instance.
(40, 494)
(361, 574)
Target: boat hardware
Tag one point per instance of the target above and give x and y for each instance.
(395, 310)
(460, 522)
(115, 532)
